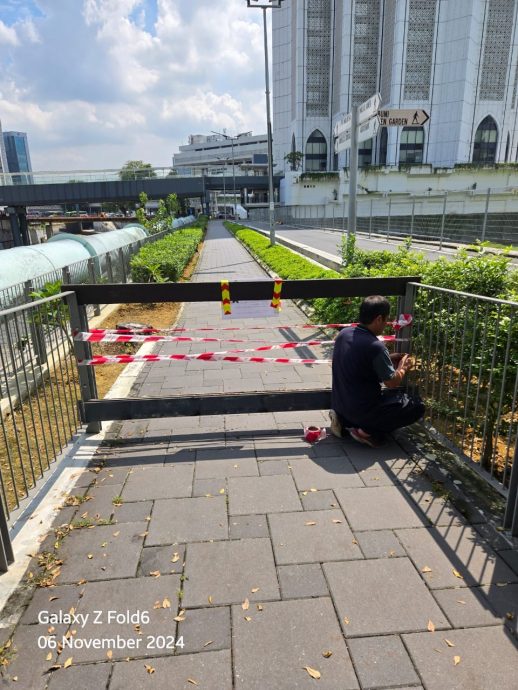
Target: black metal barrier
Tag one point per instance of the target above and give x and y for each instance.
(93, 411)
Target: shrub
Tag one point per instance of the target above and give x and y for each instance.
(165, 260)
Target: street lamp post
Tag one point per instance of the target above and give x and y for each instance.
(232, 139)
(264, 5)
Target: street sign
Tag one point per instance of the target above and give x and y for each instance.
(343, 125)
(368, 129)
(369, 108)
(402, 118)
(343, 141)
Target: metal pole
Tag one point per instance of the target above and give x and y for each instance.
(224, 197)
(443, 218)
(412, 221)
(485, 215)
(388, 219)
(233, 177)
(370, 222)
(353, 172)
(269, 132)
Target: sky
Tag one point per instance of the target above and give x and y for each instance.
(96, 83)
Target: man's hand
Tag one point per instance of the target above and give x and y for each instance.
(406, 363)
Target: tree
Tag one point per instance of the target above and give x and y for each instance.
(294, 158)
(136, 170)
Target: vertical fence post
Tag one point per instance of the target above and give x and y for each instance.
(511, 509)
(343, 215)
(408, 301)
(6, 548)
(484, 224)
(91, 275)
(109, 267)
(83, 350)
(412, 219)
(370, 222)
(388, 219)
(122, 265)
(443, 219)
(333, 217)
(65, 275)
(36, 330)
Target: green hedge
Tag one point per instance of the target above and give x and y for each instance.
(165, 260)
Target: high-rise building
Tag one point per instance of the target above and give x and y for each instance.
(18, 156)
(3, 158)
(458, 60)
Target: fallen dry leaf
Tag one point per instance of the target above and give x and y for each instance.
(210, 599)
(192, 681)
(208, 643)
(327, 654)
(254, 590)
(456, 660)
(68, 662)
(449, 643)
(49, 656)
(166, 604)
(53, 598)
(313, 490)
(90, 556)
(109, 654)
(175, 558)
(222, 491)
(312, 672)
(337, 522)
(426, 569)
(431, 626)
(259, 607)
(245, 605)
(459, 601)
(346, 620)
(247, 619)
(116, 534)
(457, 574)
(310, 523)
(155, 573)
(149, 669)
(157, 605)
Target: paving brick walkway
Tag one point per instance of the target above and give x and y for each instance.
(269, 559)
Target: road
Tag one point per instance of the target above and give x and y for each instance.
(330, 241)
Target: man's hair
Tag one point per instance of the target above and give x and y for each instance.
(373, 306)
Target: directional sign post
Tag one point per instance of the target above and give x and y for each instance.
(402, 118)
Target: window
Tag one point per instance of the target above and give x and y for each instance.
(365, 154)
(383, 146)
(486, 136)
(316, 152)
(412, 145)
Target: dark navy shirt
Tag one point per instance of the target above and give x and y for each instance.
(360, 363)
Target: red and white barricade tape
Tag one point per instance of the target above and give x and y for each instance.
(204, 356)
(116, 338)
(403, 321)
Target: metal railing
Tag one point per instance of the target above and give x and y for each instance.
(40, 386)
(466, 350)
(462, 216)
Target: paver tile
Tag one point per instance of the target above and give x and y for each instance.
(488, 659)
(87, 676)
(273, 494)
(385, 507)
(99, 503)
(318, 500)
(325, 473)
(101, 553)
(164, 559)
(296, 539)
(205, 630)
(381, 661)
(59, 598)
(171, 481)
(134, 600)
(236, 567)
(267, 467)
(235, 467)
(472, 606)
(248, 526)
(30, 670)
(209, 487)
(301, 581)
(210, 671)
(380, 544)
(381, 596)
(179, 520)
(445, 549)
(134, 511)
(272, 649)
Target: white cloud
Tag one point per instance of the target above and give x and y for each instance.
(7, 35)
(96, 82)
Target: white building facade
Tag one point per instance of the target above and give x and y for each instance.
(217, 154)
(456, 59)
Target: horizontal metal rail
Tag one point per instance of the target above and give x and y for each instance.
(239, 290)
